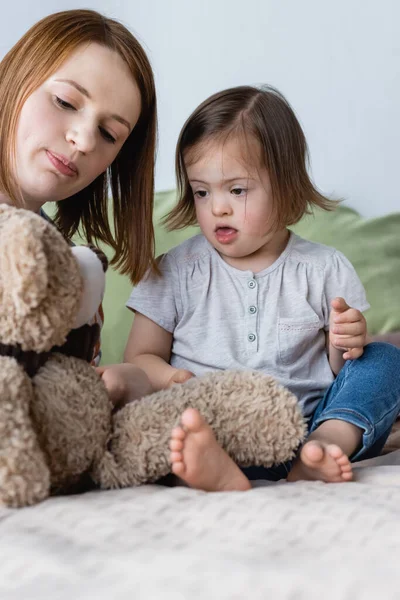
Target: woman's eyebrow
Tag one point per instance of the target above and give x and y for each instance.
(84, 91)
(76, 85)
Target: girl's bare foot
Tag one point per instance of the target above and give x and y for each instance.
(199, 460)
(321, 461)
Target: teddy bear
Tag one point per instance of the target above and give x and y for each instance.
(57, 424)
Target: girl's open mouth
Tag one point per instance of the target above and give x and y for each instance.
(225, 235)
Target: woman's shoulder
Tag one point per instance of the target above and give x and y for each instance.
(46, 217)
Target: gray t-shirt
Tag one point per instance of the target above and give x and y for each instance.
(273, 321)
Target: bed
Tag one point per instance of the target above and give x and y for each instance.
(283, 541)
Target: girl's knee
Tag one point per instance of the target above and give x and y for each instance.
(382, 351)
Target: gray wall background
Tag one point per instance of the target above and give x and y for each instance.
(338, 63)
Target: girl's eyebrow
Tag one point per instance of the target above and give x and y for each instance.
(84, 91)
(225, 180)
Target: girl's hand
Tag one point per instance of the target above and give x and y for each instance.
(347, 329)
(125, 383)
(180, 376)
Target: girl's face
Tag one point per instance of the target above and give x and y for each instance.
(72, 127)
(233, 202)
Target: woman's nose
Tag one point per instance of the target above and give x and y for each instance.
(83, 137)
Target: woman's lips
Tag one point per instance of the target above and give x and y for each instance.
(62, 164)
(225, 235)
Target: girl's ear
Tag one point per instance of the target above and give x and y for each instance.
(23, 264)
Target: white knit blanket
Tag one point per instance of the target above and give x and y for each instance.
(278, 541)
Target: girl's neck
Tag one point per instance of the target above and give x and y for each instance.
(265, 256)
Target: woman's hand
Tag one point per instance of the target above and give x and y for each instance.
(124, 382)
(180, 376)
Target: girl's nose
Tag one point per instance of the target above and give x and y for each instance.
(221, 205)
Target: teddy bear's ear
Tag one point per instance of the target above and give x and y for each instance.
(23, 264)
(93, 276)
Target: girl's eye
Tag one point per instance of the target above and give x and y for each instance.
(107, 136)
(201, 193)
(238, 191)
(64, 104)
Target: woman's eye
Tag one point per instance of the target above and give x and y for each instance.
(107, 136)
(64, 104)
(238, 191)
(201, 193)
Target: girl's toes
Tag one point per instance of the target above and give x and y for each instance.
(347, 468)
(343, 461)
(178, 433)
(175, 457)
(176, 445)
(178, 468)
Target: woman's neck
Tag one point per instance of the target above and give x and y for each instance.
(4, 199)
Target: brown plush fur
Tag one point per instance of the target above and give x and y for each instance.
(40, 282)
(72, 417)
(24, 475)
(59, 425)
(254, 419)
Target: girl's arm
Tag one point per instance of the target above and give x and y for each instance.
(149, 348)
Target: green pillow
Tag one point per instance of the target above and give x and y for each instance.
(373, 247)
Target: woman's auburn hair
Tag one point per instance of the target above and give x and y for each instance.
(249, 114)
(130, 177)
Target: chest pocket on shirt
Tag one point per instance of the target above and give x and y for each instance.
(295, 336)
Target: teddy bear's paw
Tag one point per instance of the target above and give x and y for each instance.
(24, 475)
(264, 425)
(110, 473)
(138, 450)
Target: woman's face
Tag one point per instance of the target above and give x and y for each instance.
(72, 127)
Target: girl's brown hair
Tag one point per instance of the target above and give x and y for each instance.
(27, 65)
(250, 113)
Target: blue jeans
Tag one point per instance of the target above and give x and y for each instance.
(366, 393)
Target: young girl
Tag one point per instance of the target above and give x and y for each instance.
(249, 294)
(78, 117)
